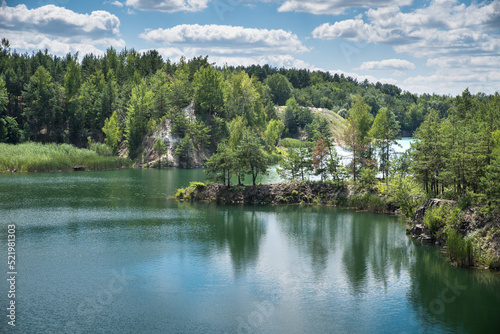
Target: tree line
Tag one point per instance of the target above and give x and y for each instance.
(123, 95)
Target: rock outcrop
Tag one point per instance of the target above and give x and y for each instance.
(416, 227)
(482, 231)
(289, 193)
(150, 157)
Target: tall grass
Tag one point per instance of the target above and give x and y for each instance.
(367, 201)
(459, 249)
(294, 143)
(37, 157)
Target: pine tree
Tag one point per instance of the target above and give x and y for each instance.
(39, 106)
(113, 132)
(136, 122)
(356, 136)
(208, 91)
(384, 130)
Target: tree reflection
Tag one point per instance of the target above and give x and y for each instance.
(461, 300)
(370, 247)
(238, 230)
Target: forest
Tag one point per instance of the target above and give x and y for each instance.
(122, 96)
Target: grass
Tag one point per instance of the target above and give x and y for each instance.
(294, 143)
(187, 193)
(336, 123)
(37, 157)
(459, 249)
(367, 201)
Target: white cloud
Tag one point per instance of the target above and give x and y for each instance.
(361, 78)
(335, 7)
(59, 21)
(227, 40)
(117, 3)
(387, 64)
(461, 42)
(168, 6)
(174, 54)
(465, 61)
(58, 29)
(287, 61)
(453, 82)
(444, 27)
(229, 45)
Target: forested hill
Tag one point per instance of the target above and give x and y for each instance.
(124, 95)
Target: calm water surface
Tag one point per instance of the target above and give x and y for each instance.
(107, 252)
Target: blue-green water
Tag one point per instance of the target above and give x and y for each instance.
(107, 252)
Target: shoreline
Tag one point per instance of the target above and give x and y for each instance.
(477, 237)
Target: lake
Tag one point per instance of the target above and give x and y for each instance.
(108, 252)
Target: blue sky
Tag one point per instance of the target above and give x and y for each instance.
(435, 46)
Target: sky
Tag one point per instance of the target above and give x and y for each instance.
(422, 46)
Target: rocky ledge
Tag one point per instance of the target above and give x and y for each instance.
(483, 231)
(289, 193)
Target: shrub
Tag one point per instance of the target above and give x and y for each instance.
(405, 194)
(197, 185)
(434, 218)
(179, 194)
(101, 149)
(458, 248)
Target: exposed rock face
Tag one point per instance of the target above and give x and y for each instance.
(284, 193)
(279, 193)
(416, 227)
(484, 232)
(197, 157)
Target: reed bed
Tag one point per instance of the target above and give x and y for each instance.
(37, 157)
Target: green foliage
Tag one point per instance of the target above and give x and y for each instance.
(40, 109)
(180, 125)
(183, 151)
(366, 201)
(406, 195)
(250, 155)
(459, 249)
(368, 177)
(220, 165)
(160, 148)
(101, 149)
(179, 194)
(9, 131)
(484, 254)
(273, 133)
(320, 158)
(296, 117)
(242, 98)
(434, 218)
(296, 163)
(198, 185)
(72, 79)
(334, 167)
(113, 132)
(179, 88)
(4, 97)
(136, 122)
(384, 130)
(200, 134)
(318, 129)
(208, 90)
(294, 143)
(456, 155)
(356, 136)
(280, 89)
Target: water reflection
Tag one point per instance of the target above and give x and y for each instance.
(201, 268)
(459, 298)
